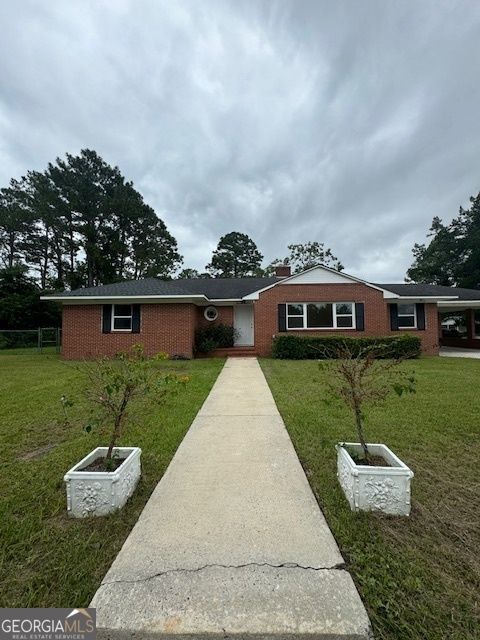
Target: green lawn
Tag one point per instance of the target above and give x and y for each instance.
(419, 576)
(46, 558)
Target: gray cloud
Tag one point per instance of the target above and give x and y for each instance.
(349, 123)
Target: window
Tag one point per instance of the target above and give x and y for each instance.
(321, 315)
(407, 316)
(295, 316)
(344, 315)
(121, 317)
(210, 314)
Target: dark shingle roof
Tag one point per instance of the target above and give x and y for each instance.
(235, 288)
(212, 288)
(424, 290)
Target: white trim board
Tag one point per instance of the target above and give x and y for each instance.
(448, 305)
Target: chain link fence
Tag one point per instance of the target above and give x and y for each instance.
(43, 339)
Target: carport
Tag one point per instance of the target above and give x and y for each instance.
(459, 323)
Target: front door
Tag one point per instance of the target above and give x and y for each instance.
(243, 323)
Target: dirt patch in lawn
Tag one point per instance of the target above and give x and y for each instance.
(39, 452)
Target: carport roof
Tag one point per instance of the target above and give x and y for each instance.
(431, 290)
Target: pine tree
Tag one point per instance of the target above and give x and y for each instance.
(236, 256)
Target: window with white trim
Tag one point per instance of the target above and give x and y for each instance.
(407, 316)
(121, 317)
(321, 315)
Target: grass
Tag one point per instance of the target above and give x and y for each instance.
(46, 558)
(419, 576)
(28, 351)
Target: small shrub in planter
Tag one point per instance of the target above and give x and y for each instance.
(293, 347)
(371, 475)
(214, 336)
(104, 480)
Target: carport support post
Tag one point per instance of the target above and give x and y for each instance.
(470, 322)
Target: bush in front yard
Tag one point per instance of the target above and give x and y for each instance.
(291, 347)
(214, 336)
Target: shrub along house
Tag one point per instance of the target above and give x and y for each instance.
(164, 315)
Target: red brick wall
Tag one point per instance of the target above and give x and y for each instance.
(377, 317)
(171, 327)
(430, 340)
(163, 327)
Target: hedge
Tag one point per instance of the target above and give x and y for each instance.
(214, 336)
(292, 347)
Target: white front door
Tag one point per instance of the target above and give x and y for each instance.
(243, 323)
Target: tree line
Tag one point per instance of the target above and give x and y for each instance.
(80, 223)
(237, 256)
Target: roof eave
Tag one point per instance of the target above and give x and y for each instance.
(460, 304)
(224, 300)
(428, 298)
(124, 298)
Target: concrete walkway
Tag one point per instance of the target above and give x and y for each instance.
(454, 352)
(232, 542)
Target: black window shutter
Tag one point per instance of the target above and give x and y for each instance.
(420, 316)
(135, 318)
(360, 316)
(393, 317)
(107, 318)
(282, 317)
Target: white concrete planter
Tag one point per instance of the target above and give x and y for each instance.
(98, 493)
(371, 488)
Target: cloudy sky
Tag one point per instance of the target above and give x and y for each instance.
(352, 123)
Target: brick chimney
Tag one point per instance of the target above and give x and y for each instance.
(282, 271)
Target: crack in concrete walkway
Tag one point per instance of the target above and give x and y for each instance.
(284, 565)
(232, 538)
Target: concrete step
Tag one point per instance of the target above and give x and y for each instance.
(232, 352)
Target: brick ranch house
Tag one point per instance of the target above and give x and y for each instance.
(163, 315)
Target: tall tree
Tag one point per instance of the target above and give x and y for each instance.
(192, 273)
(154, 250)
(467, 233)
(236, 256)
(46, 246)
(435, 263)
(305, 256)
(188, 273)
(452, 257)
(119, 233)
(90, 187)
(15, 222)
